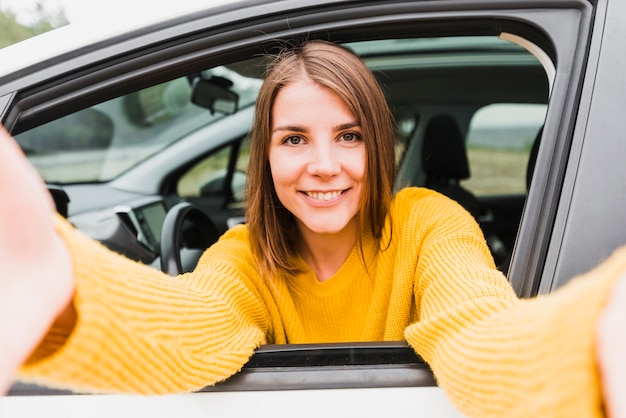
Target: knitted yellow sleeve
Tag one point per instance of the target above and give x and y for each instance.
(141, 331)
(496, 355)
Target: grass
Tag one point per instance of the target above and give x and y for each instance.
(496, 171)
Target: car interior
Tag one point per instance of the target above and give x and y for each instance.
(468, 109)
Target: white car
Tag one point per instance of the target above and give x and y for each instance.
(138, 126)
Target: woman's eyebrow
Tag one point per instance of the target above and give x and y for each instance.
(348, 125)
(289, 128)
(295, 128)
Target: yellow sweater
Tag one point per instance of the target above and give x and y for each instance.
(431, 282)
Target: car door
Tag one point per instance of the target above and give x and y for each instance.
(556, 33)
(588, 224)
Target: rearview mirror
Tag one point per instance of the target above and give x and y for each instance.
(214, 94)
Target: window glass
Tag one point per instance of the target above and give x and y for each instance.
(241, 169)
(206, 177)
(101, 142)
(499, 140)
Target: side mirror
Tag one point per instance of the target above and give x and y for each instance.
(214, 94)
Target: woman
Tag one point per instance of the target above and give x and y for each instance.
(328, 256)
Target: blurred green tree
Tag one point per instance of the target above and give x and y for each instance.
(12, 31)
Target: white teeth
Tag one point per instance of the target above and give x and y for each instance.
(324, 196)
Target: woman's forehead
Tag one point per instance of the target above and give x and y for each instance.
(305, 104)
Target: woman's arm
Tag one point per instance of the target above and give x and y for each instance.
(139, 330)
(496, 355)
(36, 280)
(81, 317)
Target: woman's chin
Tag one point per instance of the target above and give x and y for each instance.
(329, 227)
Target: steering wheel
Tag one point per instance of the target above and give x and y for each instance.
(187, 231)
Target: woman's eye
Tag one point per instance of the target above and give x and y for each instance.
(350, 137)
(292, 140)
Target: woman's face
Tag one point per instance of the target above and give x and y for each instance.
(317, 158)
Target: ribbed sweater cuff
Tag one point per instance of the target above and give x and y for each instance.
(131, 320)
(529, 358)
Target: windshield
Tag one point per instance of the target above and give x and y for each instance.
(99, 143)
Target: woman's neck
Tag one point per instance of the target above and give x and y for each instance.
(326, 253)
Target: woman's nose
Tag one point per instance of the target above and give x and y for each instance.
(324, 162)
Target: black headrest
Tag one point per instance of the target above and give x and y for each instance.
(443, 152)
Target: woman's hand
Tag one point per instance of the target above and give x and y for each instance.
(611, 351)
(36, 279)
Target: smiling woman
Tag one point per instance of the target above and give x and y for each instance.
(422, 271)
(409, 267)
(317, 160)
(316, 151)
(310, 137)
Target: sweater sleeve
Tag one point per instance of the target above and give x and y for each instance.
(496, 355)
(141, 331)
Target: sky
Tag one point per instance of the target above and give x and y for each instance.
(78, 10)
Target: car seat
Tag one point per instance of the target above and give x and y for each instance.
(445, 163)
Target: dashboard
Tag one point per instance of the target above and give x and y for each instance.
(131, 224)
(132, 228)
(144, 222)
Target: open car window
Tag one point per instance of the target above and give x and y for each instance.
(187, 136)
(184, 150)
(500, 139)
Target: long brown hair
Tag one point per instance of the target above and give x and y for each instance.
(272, 227)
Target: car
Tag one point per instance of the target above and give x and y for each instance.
(510, 107)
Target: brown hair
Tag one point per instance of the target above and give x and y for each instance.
(272, 227)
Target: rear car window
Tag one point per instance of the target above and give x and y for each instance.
(499, 141)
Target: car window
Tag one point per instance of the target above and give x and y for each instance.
(241, 168)
(209, 176)
(193, 147)
(99, 143)
(499, 141)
